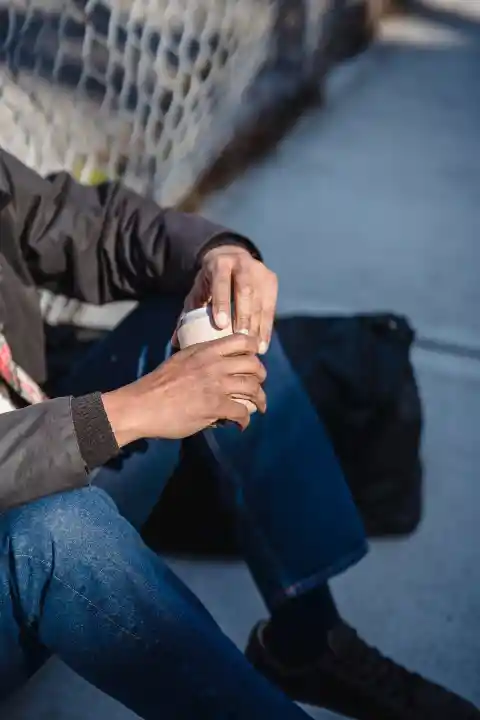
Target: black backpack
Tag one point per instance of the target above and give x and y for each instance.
(363, 386)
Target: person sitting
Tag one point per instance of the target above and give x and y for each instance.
(76, 579)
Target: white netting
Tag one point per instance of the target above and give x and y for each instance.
(147, 90)
(151, 90)
(144, 88)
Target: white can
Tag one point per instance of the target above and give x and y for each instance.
(197, 326)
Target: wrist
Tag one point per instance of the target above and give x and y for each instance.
(119, 408)
(230, 241)
(230, 248)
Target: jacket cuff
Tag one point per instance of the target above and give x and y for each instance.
(95, 436)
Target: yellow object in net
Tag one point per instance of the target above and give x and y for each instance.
(94, 176)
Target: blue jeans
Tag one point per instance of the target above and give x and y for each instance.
(77, 580)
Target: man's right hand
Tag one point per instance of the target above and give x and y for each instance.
(190, 391)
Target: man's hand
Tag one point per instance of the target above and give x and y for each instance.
(230, 273)
(189, 392)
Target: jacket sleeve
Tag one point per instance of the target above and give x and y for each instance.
(105, 242)
(51, 447)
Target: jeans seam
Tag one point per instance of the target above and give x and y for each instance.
(83, 597)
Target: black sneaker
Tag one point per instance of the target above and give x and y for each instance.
(356, 680)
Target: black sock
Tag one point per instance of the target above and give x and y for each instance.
(298, 631)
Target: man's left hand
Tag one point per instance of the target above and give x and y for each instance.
(230, 273)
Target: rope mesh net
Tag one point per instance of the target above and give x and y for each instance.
(147, 90)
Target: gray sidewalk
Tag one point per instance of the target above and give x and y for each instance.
(373, 203)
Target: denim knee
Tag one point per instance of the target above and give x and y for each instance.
(70, 520)
(61, 535)
(72, 554)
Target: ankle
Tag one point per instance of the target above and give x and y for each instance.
(298, 631)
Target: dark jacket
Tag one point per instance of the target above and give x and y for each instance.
(97, 244)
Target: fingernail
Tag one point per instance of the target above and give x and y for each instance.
(242, 332)
(222, 319)
(263, 347)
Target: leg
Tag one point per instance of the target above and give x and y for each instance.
(299, 527)
(297, 520)
(77, 580)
